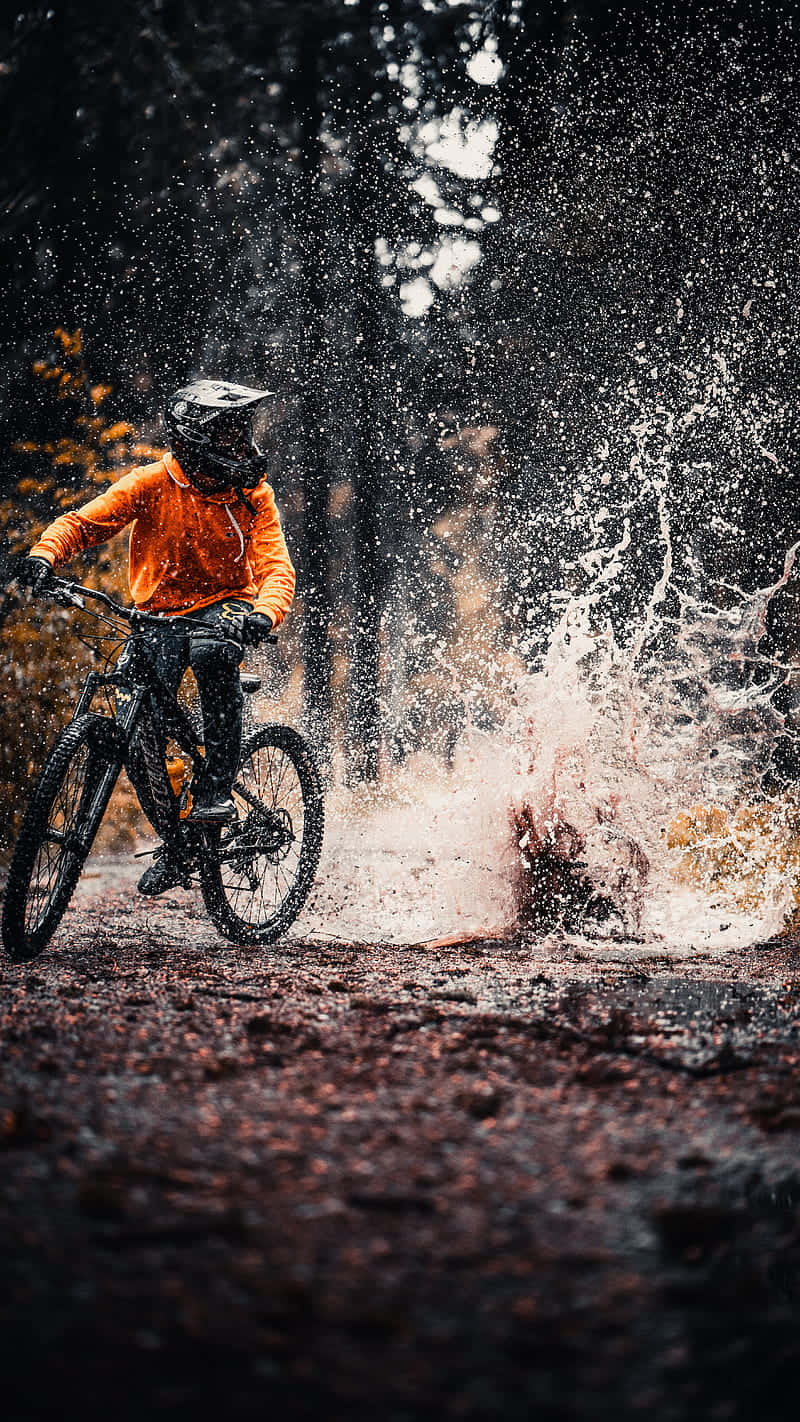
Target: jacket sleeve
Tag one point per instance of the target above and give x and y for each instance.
(93, 523)
(272, 567)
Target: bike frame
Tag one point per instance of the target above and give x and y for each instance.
(132, 687)
(138, 682)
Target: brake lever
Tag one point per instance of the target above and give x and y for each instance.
(65, 595)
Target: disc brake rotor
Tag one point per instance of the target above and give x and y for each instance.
(267, 833)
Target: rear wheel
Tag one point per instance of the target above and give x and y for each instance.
(60, 823)
(260, 868)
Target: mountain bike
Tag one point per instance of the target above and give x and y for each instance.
(254, 872)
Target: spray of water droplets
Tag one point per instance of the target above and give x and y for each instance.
(620, 739)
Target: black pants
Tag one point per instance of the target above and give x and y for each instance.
(216, 669)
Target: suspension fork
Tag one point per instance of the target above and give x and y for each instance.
(135, 701)
(119, 730)
(97, 807)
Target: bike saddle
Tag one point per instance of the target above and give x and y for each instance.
(249, 682)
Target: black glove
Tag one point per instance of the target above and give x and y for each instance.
(34, 573)
(257, 627)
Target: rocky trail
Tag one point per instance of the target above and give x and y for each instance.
(546, 1177)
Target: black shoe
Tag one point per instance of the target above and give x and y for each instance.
(163, 874)
(212, 811)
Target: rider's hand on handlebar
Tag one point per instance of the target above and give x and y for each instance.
(257, 627)
(34, 573)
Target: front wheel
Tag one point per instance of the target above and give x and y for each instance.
(258, 870)
(56, 834)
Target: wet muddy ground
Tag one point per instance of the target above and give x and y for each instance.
(541, 1179)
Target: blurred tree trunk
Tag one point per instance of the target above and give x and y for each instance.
(371, 199)
(313, 351)
(370, 533)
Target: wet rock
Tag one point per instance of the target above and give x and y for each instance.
(694, 1160)
(258, 1026)
(482, 1101)
(622, 1170)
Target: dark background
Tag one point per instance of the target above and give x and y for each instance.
(227, 189)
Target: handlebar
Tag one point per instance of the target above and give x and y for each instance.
(71, 594)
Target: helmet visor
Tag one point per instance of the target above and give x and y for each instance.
(232, 441)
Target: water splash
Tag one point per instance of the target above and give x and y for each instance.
(637, 752)
(430, 854)
(622, 794)
(628, 336)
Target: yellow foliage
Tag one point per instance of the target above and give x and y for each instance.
(152, 452)
(42, 662)
(104, 450)
(118, 431)
(742, 852)
(73, 344)
(702, 821)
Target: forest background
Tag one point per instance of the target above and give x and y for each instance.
(523, 279)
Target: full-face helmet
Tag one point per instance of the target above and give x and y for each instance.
(210, 425)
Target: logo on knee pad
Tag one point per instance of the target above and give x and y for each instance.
(232, 612)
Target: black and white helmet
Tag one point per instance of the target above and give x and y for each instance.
(210, 425)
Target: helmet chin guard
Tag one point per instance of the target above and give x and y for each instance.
(210, 429)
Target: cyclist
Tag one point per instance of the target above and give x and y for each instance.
(205, 540)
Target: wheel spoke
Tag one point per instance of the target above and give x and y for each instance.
(266, 862)
(57, 850)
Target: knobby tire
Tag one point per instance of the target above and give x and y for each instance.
(257, 873)
(45, 868)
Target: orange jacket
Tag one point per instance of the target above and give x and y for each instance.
(187, 549)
